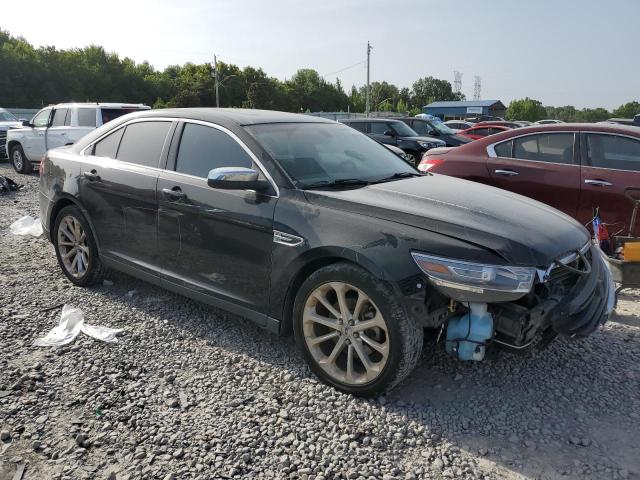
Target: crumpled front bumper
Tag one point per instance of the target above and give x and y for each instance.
(590, 302)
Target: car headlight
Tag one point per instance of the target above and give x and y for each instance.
(425, 144)
(475, 277)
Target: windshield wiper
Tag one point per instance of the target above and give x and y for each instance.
(341, 182)
(399, 175)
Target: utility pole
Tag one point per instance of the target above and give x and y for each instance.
(217, 80)
(477, 87)
(367, 107)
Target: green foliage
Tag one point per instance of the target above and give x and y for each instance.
(569, 113)
(628, 110)
(526, 109)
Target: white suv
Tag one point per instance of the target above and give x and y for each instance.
(59, 125)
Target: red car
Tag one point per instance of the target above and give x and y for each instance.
(480, 131)
(572, 167)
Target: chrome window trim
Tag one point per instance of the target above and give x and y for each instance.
(491, 152)
(198, 122)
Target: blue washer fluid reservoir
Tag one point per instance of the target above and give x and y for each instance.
(467, 335)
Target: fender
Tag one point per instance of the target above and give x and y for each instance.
(60, 201)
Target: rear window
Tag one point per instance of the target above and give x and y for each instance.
(545, 147)
(109, 114)
(142, 143)
(86, 117)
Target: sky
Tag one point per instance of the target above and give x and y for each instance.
(561, 52)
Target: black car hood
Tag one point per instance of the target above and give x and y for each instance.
(458, 139)
(520, 230)
(422, 139)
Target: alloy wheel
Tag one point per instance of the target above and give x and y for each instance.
(72, 245)
(18, 161)
(345, 333)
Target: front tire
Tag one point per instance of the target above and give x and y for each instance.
(76, 248)
(352, 332)
(19, 160)
(413, 158)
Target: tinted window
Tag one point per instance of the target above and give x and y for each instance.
(86, 117)
(483, 132)
(503, 149)
(360, 126)
(612, 151)
(323, 152)
(142, 143)
(59, 117)
(378, 128)
(41, 119)
(108, 146)
(422, 128)
(549, 147)
(204, 148)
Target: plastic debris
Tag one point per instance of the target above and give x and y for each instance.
(26, 225)
(71, 324)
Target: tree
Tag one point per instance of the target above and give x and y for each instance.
(526, 109)
(628, 110)
(428, 89)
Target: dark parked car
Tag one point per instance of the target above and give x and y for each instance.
(396, 133)
(572, 167)
(437, 129)
(304, 225)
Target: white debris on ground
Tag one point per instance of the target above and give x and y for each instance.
(70, 325)
(26, 225)
(195, 393)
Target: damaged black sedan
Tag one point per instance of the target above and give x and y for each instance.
(309, 227)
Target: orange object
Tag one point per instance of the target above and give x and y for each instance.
(632, 252)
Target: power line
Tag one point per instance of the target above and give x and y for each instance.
(345, 68)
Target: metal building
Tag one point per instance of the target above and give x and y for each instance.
(464, 109)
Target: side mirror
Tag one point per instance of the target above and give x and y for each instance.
(236, 178)
(389, 133)
(25, 123)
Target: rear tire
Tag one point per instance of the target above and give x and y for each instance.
(76, 248)
(19, 160)
(355, 357)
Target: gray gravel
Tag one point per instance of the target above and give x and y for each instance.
(193, 392)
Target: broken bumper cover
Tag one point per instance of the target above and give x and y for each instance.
(590, 302)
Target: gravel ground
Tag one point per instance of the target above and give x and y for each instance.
(193, 392)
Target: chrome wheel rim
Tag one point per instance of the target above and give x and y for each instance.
(17, 159)
(345, 333)
(72, 244)
(412, 159)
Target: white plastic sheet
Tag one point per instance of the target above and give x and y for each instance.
(26, 225)
(71, 324)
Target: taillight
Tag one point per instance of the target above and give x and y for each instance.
(41, 167)
(429, 163)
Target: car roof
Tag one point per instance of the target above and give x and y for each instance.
(98, 104)
(238, 116)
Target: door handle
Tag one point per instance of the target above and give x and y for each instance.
(598, 183)
(508, 173)
(174, 193)
(92, 176)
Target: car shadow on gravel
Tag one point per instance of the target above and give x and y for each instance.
(543, 414)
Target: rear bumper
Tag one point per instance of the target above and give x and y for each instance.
(590, 302)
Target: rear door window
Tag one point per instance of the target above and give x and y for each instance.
(504, 149)
(59, 117)
(108, 146)
(545, 147)
(613, 151)
(204, 148)
(360, 126)
(142, 143)
(86, 117)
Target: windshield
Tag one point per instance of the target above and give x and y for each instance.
(319, 153)
(404, 130)
(6, 116)
(442, 128)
